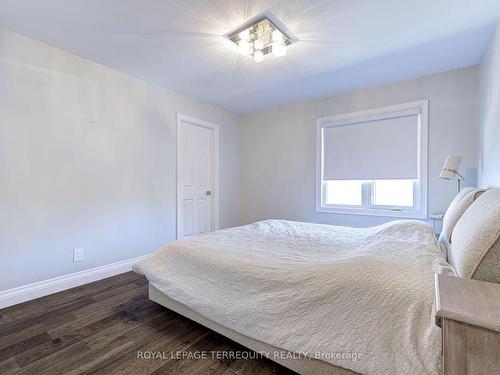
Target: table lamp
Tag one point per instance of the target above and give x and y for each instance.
(450, 170)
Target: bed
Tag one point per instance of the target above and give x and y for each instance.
(318, 299)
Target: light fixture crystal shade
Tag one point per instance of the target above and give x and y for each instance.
(244, 35)
(258, 44)
(259, 39)
(450, 167)
(245, 48)
(277, 36)
(258, 56)
(279, 49)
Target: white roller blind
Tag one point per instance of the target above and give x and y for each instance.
(386, 147)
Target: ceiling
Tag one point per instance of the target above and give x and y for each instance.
(344, 44)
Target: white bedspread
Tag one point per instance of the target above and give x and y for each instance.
(310, 288)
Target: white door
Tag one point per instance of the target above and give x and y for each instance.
(197, 176)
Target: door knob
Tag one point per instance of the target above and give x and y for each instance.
(208, 192)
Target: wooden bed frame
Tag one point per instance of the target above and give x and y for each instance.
(302, 366)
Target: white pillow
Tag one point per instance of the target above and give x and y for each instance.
(453, 214)
(474, 243)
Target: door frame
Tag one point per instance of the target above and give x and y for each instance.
(215, 168)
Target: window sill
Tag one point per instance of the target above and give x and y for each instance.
(373, 212)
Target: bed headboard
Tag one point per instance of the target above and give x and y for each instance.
(475, 241)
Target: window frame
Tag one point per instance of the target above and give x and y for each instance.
(419, 210)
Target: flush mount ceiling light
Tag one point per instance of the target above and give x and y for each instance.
(260, 37)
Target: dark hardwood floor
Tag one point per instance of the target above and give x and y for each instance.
(110, 327)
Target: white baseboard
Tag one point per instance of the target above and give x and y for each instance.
(43, 288)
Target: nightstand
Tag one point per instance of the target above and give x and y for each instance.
(435, 219)
(468, 311)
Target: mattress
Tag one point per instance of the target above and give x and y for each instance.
(326, 292)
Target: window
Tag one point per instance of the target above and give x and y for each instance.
(394, 193)
(374, 162)
(390, 193)
(348, 193)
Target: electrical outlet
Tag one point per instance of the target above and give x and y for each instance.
(78, 255)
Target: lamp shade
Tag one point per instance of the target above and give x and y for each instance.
(450, 167)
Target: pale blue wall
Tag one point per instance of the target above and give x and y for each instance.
(278, 146)
(489, 159)
(88, 159)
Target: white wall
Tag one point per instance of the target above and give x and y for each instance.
(278, 149)
(88, 159)
(489, 159)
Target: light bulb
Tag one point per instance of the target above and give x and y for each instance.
(244, 35)
(279, 49)
(277, 36)
(258, 56)
(244, 47)
(258, 44)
